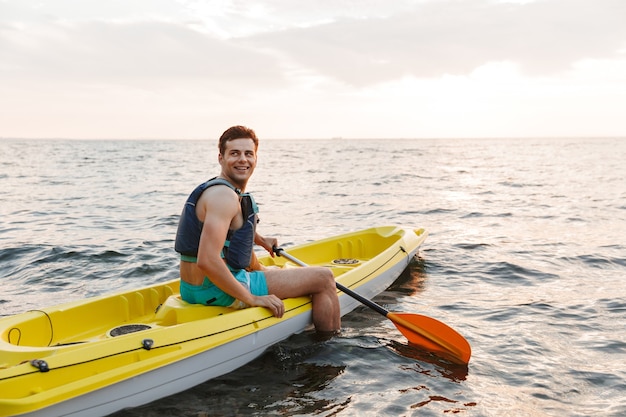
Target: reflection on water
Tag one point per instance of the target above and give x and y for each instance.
(444, 368)
(412, 280)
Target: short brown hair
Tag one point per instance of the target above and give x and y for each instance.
(237, 132)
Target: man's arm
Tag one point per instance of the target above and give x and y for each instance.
(217, 207)
(266, 242)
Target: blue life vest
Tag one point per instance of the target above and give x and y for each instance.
(238, 248)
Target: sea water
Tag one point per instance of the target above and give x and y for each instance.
(526, 258)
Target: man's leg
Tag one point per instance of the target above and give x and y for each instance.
(317, 282)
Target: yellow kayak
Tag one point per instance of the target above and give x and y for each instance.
(99, 355)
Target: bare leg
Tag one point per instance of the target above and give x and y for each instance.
(317, 282)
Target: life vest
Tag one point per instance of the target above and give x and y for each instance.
(239, 244)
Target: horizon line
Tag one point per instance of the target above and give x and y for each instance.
(338, 138)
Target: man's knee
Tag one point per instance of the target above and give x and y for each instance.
(327, 279)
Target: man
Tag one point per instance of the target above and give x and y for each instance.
(215, 237)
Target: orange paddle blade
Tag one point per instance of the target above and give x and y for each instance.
(433, 335)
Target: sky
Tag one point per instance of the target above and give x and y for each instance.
(188, 69)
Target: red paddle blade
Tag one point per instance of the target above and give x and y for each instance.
(432, 335)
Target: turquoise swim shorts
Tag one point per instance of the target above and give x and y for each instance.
(209, 294)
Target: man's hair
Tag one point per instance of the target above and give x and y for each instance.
(237, 132)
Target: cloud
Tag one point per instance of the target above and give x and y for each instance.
(455, 37)
(422, 40)
(136, 53)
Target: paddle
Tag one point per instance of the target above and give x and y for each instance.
(425, 332)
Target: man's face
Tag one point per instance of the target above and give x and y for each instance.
(238, 161)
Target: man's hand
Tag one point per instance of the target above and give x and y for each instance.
(268, 243)
(271, 302)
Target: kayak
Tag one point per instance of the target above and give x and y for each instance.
(99, 355)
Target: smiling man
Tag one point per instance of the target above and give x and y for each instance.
(215, 238)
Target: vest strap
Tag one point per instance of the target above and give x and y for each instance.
(188, 258)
